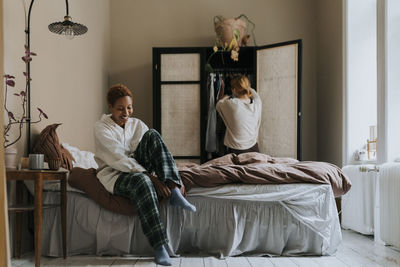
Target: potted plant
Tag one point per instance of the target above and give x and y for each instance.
(13, 120)
(231, 34)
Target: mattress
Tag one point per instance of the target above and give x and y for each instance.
(284, 219)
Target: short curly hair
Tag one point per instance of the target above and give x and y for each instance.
(117, 91)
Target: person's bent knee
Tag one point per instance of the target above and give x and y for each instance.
(144, 178)
(152, 133)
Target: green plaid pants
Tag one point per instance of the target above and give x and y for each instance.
(153, 155)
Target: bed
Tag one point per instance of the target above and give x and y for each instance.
(286, 220)
(290, 218)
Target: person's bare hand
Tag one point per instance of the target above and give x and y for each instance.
(161, 189)
(183, 190)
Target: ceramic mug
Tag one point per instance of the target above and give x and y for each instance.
(36, 161)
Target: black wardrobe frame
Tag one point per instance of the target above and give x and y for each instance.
(229, 66)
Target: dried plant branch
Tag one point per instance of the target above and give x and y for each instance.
(12, 119)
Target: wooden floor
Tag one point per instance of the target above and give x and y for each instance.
(356, 250)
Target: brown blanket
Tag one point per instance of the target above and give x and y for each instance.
(248, 168)
(86, 181)
(257, 168)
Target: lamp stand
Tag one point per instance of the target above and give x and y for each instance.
(28, 72)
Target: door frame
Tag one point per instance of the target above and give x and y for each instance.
(4, 230)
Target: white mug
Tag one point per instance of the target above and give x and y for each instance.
(36, 161)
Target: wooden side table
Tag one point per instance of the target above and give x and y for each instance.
(38, 176)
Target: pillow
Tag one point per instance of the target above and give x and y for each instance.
(224, 160)
(82, 159)
(251, 158)
(246, 159)
(256, 158)
(49, 145)
(86, 181)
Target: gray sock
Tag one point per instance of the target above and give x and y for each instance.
(178, 200)
(162, 256)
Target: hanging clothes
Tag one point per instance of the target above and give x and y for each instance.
(220, 126)
(220, 88)
(211, 136)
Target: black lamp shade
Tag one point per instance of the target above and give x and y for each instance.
(67, 25)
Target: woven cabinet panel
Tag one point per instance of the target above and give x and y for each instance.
(277, 87)
(180, 67)
(180, 118)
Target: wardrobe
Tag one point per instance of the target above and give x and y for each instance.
(181, 96)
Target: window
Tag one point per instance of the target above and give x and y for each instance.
(372, 79)
(361, 73)
(392, 78)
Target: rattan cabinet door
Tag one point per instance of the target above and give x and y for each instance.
(177, 96)
(278, 84)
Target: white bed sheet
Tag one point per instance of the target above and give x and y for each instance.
(290, 219)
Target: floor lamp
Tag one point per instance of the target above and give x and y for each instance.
(67, 28)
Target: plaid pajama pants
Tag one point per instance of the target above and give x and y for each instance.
(153, 155)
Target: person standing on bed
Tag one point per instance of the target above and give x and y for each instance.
(127, 153)
(241, 114)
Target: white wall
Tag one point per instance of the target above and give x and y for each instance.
(69, 77)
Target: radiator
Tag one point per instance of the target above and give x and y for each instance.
(360, 211)
(389, 184)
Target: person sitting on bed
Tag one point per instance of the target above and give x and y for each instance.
(127, 153)
(241, 114)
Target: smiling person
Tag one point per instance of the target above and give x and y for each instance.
(127, 153)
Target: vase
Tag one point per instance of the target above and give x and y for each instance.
(10, 157)
(224, 28)
(54, 164)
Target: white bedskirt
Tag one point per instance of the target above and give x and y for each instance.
(292, 219)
